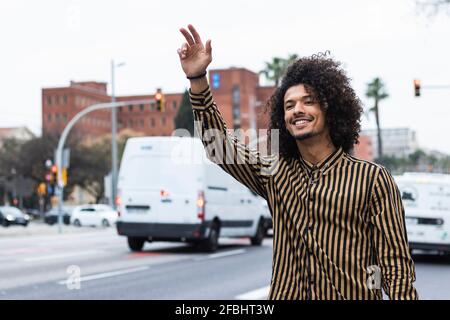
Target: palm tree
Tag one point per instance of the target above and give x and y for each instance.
(377, 91)
(275, 69)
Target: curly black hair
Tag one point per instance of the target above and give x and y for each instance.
(324, 79)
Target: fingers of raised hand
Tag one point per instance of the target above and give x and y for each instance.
(187, 36)
(194, 34)
(208, 47)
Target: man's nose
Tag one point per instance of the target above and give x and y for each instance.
(299, 108)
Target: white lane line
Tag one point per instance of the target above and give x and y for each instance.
(106, 275)
(226, 254)
(257, 294)
(221, 255)
(60, 256)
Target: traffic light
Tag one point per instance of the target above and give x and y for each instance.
(416, 87)
(64, 176)
(42, 189)
(160, 103)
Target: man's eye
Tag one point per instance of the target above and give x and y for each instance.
(288, 106)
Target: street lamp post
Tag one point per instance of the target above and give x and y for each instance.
(112, 201)
(62, 140)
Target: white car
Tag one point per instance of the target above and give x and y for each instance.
(93, 215)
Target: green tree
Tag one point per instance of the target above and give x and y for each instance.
(275, 69)
(415, 157)
(377, 91)
(185, 117)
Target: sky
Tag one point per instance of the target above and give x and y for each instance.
(47, 43)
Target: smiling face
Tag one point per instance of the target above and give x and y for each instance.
(303, 116)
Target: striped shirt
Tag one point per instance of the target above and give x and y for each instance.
(339, 227)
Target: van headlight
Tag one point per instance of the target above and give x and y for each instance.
(27, 217)
(10, 217)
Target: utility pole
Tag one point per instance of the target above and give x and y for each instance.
(112, 199)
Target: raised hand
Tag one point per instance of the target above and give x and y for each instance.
(194, 56)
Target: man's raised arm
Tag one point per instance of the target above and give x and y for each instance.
(244, 164)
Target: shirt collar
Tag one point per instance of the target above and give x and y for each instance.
(325, 164)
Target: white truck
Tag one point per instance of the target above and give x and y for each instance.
(426, 198)
(169, 191)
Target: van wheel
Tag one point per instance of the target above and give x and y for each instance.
(77, 223)
(260, 234)
(105, 223)
(212, 243)
(136, 244)
(5, 223)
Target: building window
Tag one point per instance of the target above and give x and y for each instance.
(130, 108)
(174, 105)
(56, 99)
(141, 122)
(49, 100)
(152, 122)
(130, 123)
(141, 107)
(65, 99)
(163, 121)
(153, 106)
(57, 117)
(120, 109)
(49, 117)
(65, 117)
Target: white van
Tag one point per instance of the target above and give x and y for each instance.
(426, 198)
(169, 191)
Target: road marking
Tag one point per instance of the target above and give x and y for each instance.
(257, 294)
(107, 274)
(25, 250)
(60, 256)
(226, 254)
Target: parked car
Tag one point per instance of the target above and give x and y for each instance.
(12, 215)
(93, 215)
(51, 217)
(33, 213)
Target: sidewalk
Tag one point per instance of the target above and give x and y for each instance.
(40, 228)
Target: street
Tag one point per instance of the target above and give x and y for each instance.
(38, 263)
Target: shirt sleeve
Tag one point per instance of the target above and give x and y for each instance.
(246, 165)
(390, 239)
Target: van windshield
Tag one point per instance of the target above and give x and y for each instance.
(159, 172)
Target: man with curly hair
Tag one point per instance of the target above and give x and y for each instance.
(338, 221)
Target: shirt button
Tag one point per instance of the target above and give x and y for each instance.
(311, 199)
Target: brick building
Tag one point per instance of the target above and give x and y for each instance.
(234, 89)
(364, 149)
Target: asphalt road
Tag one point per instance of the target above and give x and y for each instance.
(43, 265)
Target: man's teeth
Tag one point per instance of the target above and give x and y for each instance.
(301, 121)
